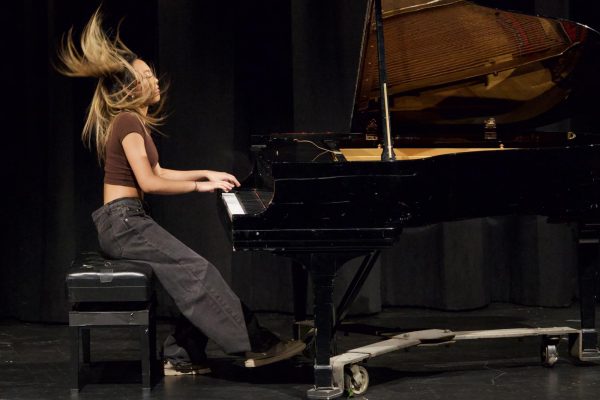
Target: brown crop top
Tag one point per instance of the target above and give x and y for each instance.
(117, 170)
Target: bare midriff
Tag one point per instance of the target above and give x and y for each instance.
(114, 192)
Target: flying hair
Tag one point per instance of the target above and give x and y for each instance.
(99, 55)
(110, 61)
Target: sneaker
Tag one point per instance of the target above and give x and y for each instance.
(184, 368)
(278, 352)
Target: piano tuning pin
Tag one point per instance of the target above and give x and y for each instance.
(571, 135)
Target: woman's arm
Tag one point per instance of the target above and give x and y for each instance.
(150, 182)
(195, 175)
(177, 175)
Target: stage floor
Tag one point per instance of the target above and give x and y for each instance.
(34, 362)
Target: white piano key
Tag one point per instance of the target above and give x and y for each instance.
(233, 204)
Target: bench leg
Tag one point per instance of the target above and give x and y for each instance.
(74, 334)
(85, 344)
(145, 355)
(155, 364)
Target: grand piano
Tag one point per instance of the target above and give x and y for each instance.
(450, 102)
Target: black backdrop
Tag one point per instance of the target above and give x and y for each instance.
(234, 68)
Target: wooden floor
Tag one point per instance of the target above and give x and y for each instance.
(34, 362)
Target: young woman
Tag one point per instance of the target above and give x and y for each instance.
(122, 115)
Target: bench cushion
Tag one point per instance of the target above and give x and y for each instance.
(93, 278)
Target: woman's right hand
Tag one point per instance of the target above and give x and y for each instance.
(211, 186)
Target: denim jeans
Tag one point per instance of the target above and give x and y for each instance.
(125, 230)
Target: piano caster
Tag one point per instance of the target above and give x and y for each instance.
(356, 379)
(549, 350)
(549, 354)
(355, 382)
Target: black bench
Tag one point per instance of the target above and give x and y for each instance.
(110, 293)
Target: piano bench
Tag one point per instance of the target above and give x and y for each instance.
(110, 294)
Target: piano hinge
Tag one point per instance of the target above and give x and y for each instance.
(371, 130)
(489, 130)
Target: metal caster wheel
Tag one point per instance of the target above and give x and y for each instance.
(549, 355)
(356, 379)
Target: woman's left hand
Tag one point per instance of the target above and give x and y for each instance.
(216, 176)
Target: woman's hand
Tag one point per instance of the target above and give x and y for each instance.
(216, 176)
(209, 186)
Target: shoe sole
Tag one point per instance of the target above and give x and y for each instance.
(259, 362)
(172, 371)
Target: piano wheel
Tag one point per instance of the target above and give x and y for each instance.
(356, 379)
(549, 351)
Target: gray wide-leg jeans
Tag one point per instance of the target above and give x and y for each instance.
(125, 230)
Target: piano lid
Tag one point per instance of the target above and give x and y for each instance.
(456, 63)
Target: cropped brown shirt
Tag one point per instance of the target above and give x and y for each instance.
(117, 170)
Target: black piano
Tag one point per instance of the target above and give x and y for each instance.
(456, 135)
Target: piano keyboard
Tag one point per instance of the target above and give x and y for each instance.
(246, 202)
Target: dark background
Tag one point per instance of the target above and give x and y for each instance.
(235, 68)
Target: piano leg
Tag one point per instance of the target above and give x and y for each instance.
(300, 287)
(322, 268)
(589, 246)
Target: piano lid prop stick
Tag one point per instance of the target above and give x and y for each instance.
(388, 150)
(388, 139)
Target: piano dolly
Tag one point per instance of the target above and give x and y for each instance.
(350, 375)
(344, 372)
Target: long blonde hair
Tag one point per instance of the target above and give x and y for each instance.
(111, 62)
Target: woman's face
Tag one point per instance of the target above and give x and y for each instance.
(149, 82)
